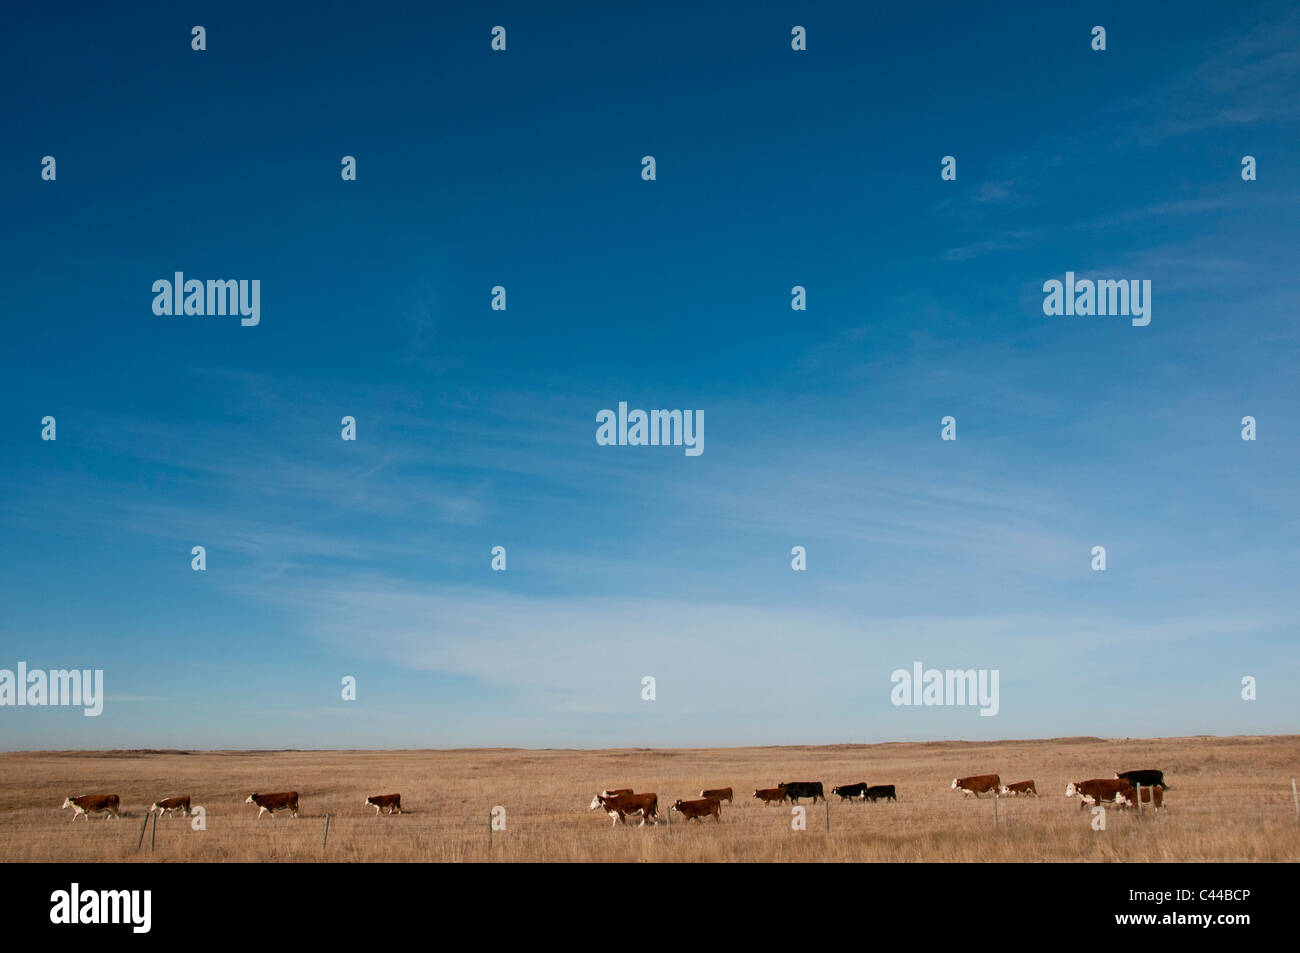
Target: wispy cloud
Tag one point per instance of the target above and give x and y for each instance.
(1011, 240)
(1246, 79)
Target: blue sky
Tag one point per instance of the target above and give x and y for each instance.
(476, 427)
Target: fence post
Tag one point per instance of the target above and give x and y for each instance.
(828, 814)
(489, 835)
(1139, 805)
(153, 833)
(1295, 798)
(995, 808)
(326, 835)
(140, 842)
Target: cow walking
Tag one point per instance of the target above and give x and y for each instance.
(270, 803)
(171, 805)
(1117, 791)
(380, 801)
(87, 804)
(977, 785)
(620, 806)
(847, 791)
(1020, 789)
(695, 810)
(1148, 778)
(798, 789)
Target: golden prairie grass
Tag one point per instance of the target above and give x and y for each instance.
(1230, 801)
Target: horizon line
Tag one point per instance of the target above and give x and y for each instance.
(492, 748)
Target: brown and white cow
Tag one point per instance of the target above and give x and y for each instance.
(1020, 789)
(718, 794)
(1155, 796)
(1115, 791)
(694, 810)
(270, 803)
(771, 795)
(621, 806)
(977, 784)
(170, 805)
(614, 792)
(380, 801)
(88, 804)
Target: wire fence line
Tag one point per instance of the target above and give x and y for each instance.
(826, 817)
(464, 831)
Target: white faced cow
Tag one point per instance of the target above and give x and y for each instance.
(88, 804)
(270, 803)
(977, 785)
(170, 805)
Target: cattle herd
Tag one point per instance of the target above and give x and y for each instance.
(1126, 789)
(1121, 790)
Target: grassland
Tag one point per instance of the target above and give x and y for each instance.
(1230, 801)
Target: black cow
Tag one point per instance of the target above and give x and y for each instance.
(1149, 778)
(797, 789)
(846, 791)
(878, 791)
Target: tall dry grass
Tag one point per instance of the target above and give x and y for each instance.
(1230, 801)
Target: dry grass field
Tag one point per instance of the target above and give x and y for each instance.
(1230, 801)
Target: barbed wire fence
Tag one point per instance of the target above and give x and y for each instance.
(459, 835)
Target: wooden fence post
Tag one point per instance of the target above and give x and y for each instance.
(1295, 798)
(140, 842)
(828, 814)
(154, 833)
(326, 836)
(1139, 804)
(995, 808)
